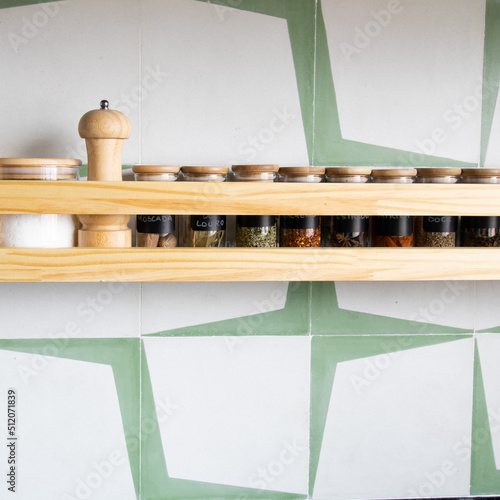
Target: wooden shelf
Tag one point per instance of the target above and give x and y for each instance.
(238, 198)
(280, 264)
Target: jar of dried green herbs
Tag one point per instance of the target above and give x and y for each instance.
(435, 230)
(204, 231)
(300, 230)
(393, 230)
(255, 231)
(480, 231)
(348, 230)
(156, 230)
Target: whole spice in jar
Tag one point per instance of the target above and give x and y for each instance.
(393, 230)
(300, 231)
(156, 231)
(255, 231)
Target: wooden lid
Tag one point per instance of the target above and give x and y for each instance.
(438, 172)
(394, 172)
(156, 169)
(104, 123)
(348, 171)
(255, 169)
(39, 162)
(205, 170)
(481, 172)
(302, 171)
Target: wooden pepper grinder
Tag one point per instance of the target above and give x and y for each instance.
(104, 131)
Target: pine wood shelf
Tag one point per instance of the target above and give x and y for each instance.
(240, 198)
(281, 264)
(228, 264)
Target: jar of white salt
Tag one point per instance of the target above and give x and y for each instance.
(38, 230)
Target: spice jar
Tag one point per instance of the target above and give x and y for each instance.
(204, 230)
(300, 230)
(436, 231)
(391, 230)
(480, 231)
(38, 230)
(156, 230)
(348, 230)
(255, 231)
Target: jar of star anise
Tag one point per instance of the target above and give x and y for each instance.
(391, 230)
(300, 230)
(349, 230)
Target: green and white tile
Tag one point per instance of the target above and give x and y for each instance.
(226, 421)
(388, 415)
(77, 406)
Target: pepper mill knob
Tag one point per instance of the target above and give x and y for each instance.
(104, 130)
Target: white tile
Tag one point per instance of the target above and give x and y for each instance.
(69, 310)
(59, 61)
(71, 442)
(487, 311)
(448, 303)
(489, 354)
(408, 74)
(223, 76)
(396, 425)
(166, 306)
(241, 415)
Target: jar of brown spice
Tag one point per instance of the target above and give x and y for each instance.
(393, 230)
(437, 231)
(300, 230)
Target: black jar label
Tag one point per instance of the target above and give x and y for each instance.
(208, 222)
(156, 224)
(440, 224)
(300, 221)
(480, 222)
(393, 225)
(256, 220)
(351, 223)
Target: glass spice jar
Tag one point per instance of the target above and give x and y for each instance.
(348, 230)
(437, 231)
(255, 231)
(39, 230)
(156, 230)
(204, 231)
(391, 230)
(480, 231)
(300, 230)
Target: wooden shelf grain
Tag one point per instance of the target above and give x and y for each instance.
(280, 264)
(247, 198)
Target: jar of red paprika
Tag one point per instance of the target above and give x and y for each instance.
(300, 230)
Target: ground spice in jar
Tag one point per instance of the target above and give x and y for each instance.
(393, 241)
(480, 232)
(300, 231)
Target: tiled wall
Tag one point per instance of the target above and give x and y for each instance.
(253, 390)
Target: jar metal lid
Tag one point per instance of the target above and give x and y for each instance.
(340, 171)
(302, 171)
(438, 172)
(156, 169)
(394, 172)
(255, 169)
(204, 170)
(480, 172)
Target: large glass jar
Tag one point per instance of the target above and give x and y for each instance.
(255, 231)
(348, 230)
(391, 230)
(204, 231)
(436, 230)
(39, 230)
(156, 230)
(480, 231)
(300, 230)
